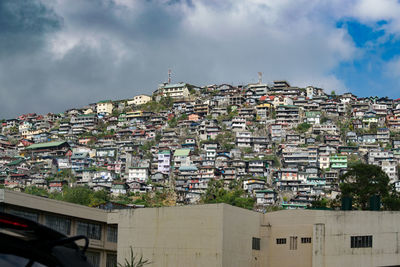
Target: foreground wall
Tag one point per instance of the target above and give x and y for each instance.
(331, 233)
(175, 236)
(384, 227)
(201, 235)
(240, 226)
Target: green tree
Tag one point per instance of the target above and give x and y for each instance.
(115, 113)
(147, 145)
(373, 128)
(99, 197)
(363, 181)
(78, 195)
(158, 137)
(172, 123)
(303, 127)
(323, 119)
(167, 102)
(216, 193)
(183, 117)
(37, 191)
(320, 203)
(226, 140)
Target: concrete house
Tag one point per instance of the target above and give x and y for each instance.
(104, 107)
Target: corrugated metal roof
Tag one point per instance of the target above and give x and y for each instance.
(188, 168)
(46, 145)
(181, 152)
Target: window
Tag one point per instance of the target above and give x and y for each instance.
(361, 241)
(306, 240)
(24, 214)
(256, 243)
(112, 233)
(111, 260)
(93, 258)
(60, 224)
(91, 230)
(293, 242)
(281, 241)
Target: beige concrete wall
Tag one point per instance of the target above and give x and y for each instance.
(239, 227)
(221, 235)
(331, 232)
(383, 226)
(286, 224)
(173, 236)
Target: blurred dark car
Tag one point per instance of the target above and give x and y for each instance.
(27, 243)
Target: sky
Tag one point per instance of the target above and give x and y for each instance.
(61, 54)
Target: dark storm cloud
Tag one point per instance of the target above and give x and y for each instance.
(33, 80)
(23, 25)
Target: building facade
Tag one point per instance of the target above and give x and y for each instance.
(69, 219)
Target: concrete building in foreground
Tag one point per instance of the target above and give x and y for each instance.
(221, 235)
(69, 219)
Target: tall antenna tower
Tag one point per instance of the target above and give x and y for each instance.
(259, 77)
(169, 76)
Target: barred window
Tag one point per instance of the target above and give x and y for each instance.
(93, 258)
(361, 241)
(256, 243)
(306, 240)
(112, 233)
(91, 230)
(293, 242)
(281, 241)
(60, 224)
(111, 260)
(33, 216)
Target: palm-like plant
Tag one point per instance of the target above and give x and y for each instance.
(134, 261)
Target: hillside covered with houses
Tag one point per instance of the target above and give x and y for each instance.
(276, 145)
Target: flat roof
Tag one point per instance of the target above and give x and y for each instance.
(44, 204)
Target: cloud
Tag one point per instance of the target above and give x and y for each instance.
(85, 51)
(373, 12)
(22, 21)
(392, 69)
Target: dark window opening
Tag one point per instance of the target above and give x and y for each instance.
(256, 243)
(361, 241)
(91, 230)
(281, 241)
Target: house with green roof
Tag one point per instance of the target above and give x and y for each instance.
(48, 149)
(119, 188)
(181, 157)
(312, 117)
(176, 91)
(104, 107)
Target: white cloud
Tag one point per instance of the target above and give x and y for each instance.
(392, 68)
(373, 11)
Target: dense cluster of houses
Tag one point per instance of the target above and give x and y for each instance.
(285, 145)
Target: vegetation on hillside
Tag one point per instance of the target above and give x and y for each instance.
(236, 196)
(363, 181)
